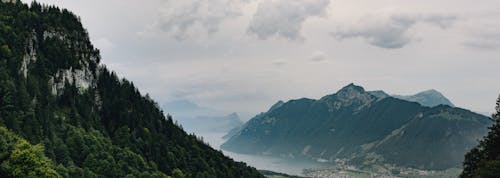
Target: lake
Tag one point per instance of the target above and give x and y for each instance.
(282, 165)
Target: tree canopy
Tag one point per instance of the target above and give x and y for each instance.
(484, 159)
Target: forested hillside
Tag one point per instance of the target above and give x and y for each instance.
(81, 118)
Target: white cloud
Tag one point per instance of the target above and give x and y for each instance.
(318, 56)
(390, 30)
(189, 18)
(284, 18)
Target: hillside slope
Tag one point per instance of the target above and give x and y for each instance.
(54, 92)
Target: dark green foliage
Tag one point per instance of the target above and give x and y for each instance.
(484, 159)
(107, 129)
(363, 130)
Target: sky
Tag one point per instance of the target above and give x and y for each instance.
(244, 55)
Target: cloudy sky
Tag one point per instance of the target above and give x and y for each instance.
(244, 55)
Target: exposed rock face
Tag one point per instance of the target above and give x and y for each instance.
(29, 56)
(82, 78)
(9, 1)
(82, 75)
(351, 96)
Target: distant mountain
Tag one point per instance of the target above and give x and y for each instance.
(379, 94)
(363, 129)
(186, 108)
(197, 119)
(211, 123)
(235, 130)
(428, 98)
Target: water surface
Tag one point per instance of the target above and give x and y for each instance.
(293, 167)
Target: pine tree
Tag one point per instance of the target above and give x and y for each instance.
(484, 160)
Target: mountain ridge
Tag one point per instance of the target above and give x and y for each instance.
(343, 125)
(428, 98)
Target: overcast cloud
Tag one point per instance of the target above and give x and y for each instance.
(391, 29)
(244, 55)
(284, 18)
(484, 31)
(189, 18)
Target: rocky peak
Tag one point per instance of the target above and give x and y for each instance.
(350, 95)
(349, 92)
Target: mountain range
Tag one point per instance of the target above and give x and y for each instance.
(362, 128)
(428, 98)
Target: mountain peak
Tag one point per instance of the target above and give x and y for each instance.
(352, 87)
(431, 92)
(349, 92)
(428, 98)
(233, 115)
(350, 95)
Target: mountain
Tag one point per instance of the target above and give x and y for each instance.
(362, 129)
(63, 114)
(202, 124)
(379, 94)
(186, 108)
(428, 98)
(197, 119)
(235, 130)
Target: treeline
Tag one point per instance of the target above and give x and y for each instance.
(107, 130)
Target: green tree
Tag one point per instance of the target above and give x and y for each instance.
(5, 51)
(484, 159)
(177, 173)
(24, 160)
